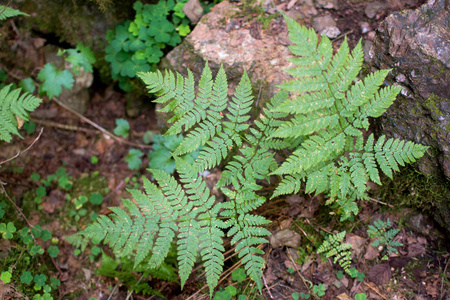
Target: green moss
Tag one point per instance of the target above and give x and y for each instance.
(88, 184)
(413, 189)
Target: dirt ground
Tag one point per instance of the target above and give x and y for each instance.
(419, 270)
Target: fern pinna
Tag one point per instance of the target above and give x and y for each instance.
(328, 112)
(14, 105)
(184, 208)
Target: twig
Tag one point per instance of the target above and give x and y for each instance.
(299, 274)
(378, 201)
(18, 153)
(19, 210)
(375, 290)
(342, 35)
(442, 281)
(101, 128)
(267, 288)
(62, 126)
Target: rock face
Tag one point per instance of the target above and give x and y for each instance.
(221, 37)
(416, 45)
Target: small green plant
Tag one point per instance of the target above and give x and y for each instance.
(319, 289)
(135, 278)
(238, 276)
(384, 237)
(122, 128)
(137, 46)
(333, 246)
(361, 296)
(160, 157)
(134, 159)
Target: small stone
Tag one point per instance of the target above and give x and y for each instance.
(331, 32)
(322, 22)
(400, 78)
(327, 4)
(356, 241)
(367, 46)
(193, 10)
(365, 27)
(285, 237)
(373, 8)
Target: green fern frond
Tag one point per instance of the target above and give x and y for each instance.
(8, 12)
(14, 105)
(333, 246)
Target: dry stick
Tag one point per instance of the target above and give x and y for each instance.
(101, 128)
(28, 148)
(2, 185)
(267, 288)
(299, 274)
(442, 281)
(375, 290)
(62, 126)
(378, 201)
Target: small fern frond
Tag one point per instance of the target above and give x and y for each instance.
(14, 105)
(333, 246)
(8, 12)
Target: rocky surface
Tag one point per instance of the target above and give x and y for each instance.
(416, 45)
(222, 38)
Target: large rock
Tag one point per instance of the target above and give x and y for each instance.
(416, 45)
(222, 37)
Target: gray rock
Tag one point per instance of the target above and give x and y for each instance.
(327, 4)
(193, 10)
(415, 44)
(374, 8)
(285, 237)
(326, 25)
(322, 22)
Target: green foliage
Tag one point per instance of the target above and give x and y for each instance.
(384, 237)
(160, 157)
(133, 159)
(13, 106)
(134, 277)
(333, 246)
(8, 12)
(328, 113)
(54, 80)
(361, 296)
(7, 230)
(137, 46)
(324, 118)
(122, 128)
(81, 58)
(319, 289)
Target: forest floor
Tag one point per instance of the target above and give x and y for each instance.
(68, 149)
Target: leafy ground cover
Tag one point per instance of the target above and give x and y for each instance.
(71, 175)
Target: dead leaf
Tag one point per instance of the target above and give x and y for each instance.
(343, 296)
(380, 274)
(356, 241)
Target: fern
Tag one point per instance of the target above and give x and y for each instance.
(329, 113)
(14, 105)
(333, 246)
(320, 124)
(8, 12)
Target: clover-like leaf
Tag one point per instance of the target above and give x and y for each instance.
(53, 251)
(6, 277)
(40, 279)
(96, 198)
(54, 80)
(184, 30)
(26, 277)
(7, 230)
(161, 29)
(81, 57)
(133, 159)
(122, 128)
